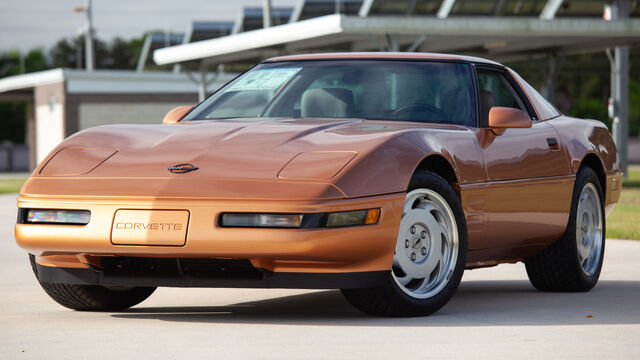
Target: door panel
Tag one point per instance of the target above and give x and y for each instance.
(525, 154)
(528, 193)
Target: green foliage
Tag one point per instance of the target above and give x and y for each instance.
(590, 108)
(633, 178)
(67, 53)
(13, 62)
(118, 54)
(622, 223)
(11, 185)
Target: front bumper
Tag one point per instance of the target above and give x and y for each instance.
(176, 272)
(324, 250)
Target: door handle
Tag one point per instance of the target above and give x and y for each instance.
(553, 143)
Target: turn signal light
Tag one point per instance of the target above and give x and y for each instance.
(351, 218)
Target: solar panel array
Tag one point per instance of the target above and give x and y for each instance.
(203, 30)
(162, 39)
(157, 40)
(251, 17)
(307, 9)
(401, 7)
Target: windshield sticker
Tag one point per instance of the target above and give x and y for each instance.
(267, 79)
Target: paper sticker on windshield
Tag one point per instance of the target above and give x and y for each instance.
(267, 79)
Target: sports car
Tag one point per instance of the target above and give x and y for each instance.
(385, 175)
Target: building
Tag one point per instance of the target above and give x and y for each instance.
(64, 101)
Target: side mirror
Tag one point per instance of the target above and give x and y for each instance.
(176, 114)
(502, 118)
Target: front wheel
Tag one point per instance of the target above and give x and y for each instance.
(429, 256)
(93, 297)
(573, 263)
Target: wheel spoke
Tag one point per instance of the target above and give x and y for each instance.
(435, 253)
(428, 207)
(404, 280)
(409, 202)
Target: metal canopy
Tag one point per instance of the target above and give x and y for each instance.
(496, 37)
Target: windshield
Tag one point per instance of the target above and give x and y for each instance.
(424, 91)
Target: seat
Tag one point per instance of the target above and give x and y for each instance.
(327, 103)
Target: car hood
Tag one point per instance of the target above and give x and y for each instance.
(231, 149)
(238, 153)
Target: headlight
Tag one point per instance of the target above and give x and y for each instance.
(316, 165)
(261, 220)
(350, 218)
(72, 161)
(49, 216)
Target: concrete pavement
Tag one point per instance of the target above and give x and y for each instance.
(496, 313)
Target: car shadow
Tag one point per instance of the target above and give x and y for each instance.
(476, 303)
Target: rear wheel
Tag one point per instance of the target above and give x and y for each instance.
(574, 262)
(429, 256)
(93, 297)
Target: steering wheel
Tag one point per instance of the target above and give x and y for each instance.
(422, 110)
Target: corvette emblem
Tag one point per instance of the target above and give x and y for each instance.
(182, 168)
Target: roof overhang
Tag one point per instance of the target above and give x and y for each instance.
(31, 80)
(20, 87)
(492, 37)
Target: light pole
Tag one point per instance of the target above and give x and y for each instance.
(88, 33)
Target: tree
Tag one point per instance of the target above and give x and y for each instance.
(117, 54)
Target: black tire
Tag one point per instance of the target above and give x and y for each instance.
(93, 297)
(389, 299)
(558, 268)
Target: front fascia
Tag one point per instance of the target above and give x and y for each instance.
(326, 250)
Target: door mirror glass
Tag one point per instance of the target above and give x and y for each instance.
(176, 114)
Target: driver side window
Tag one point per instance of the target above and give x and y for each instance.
(495, 90)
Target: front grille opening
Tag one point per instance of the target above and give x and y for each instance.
(180, 268)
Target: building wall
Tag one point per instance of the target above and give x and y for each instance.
(88, 110)
(49, 101)
(14, 157)
(93, 114)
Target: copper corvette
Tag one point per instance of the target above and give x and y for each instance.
(384, 175)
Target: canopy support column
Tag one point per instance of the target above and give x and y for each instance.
(202, 80)
(620, 88)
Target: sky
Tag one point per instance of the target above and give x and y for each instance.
(27, 24)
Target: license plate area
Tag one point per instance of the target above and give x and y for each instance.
(150, 227)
